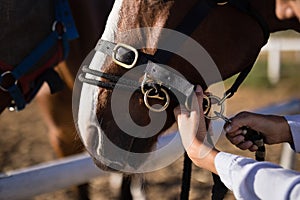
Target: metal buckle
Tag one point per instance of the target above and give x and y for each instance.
(121, 45)
(15, 82)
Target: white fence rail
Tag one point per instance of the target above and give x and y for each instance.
(274, 47)
(51, 176)
(48, 177)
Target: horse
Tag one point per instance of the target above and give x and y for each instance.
(25, 25)
(232, 34)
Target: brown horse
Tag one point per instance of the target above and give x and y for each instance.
(231, 33)
(232, 38)
(24, 25)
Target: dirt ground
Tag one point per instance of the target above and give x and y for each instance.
(24, 142)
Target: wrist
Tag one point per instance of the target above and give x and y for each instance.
(205, 158)
(286, 132)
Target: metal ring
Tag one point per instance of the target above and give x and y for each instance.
(221, 105)
(144, 82)
(164, 107)
(187, 104)
(207, 109)
(55, 29)
(222, 3)
(2, 76)
(55, 23)
(225, 97)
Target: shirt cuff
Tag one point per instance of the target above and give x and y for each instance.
(223, 163)
(294, 123)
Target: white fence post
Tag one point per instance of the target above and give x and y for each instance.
(274, 66)
(274, 46)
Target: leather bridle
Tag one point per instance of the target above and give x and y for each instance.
(157, 79)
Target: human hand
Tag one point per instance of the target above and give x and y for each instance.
(193, 132)
(287, 9)
(274, 129)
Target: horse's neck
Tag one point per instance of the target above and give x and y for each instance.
(140, 13)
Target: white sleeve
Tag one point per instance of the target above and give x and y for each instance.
(294, 123)
(250, 179)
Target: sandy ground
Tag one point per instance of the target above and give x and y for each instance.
(24, 142)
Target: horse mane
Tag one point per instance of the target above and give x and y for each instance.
(144, 13)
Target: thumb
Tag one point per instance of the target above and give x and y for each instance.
(238, 121)
(199, 96)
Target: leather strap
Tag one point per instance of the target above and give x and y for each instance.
(169, 79)
(105, 47)
(156, 72)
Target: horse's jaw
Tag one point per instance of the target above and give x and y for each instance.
(115, 150)
(109, 146)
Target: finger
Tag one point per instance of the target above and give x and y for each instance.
(199, 90)
(180, 110)
(197, 115)
(253, 148)
(176, 111)
(245, 145)
(240, 120)
(197, 99)
(199, 95)
(199, 111)
(235, 133)
(237, 139)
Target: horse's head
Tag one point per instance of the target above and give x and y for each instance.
(114, 120)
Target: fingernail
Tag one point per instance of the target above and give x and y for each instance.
(254, 147)
(198, 89)
(289, 12)
(228, 128)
